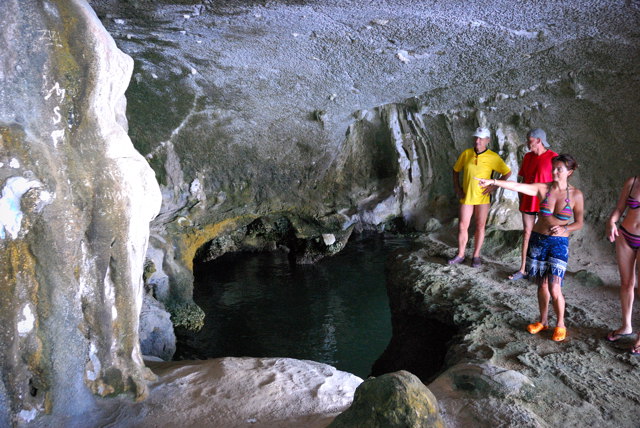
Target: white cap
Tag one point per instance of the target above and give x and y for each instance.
(482, 133)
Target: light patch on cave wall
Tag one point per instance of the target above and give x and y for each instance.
(10, 213)
(26, 325)
(88, 263)
(110, 294)
(92, 374)
(28, 415)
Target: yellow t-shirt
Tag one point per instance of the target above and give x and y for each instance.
(480, 166)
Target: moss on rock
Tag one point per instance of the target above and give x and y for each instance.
(393, 400)
(187, 315)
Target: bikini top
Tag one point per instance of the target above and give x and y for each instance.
(633, 203)
(546, 208)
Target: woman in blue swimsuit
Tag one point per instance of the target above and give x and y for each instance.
(627, 239)
(549, 243)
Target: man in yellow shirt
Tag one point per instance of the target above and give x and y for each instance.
(479, 162)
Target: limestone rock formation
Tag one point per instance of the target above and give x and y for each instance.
(156, 330)
(235, 393)
(77, 199)
(351, 112)
(393, 400)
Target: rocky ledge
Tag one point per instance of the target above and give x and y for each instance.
(226, 392)
(493, 372)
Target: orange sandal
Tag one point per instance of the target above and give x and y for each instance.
(536, 327)
(559, 334)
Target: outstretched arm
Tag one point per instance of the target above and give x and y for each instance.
(611, 228)
(491, 188)
(528, 189)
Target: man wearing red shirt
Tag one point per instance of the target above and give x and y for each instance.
(535, 168)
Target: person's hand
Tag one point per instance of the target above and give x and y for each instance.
(484, 182)
(489, 189)
(459, 193)
(488, 184)
(612, 232)
(558, 229)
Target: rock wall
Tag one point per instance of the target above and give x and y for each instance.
(77, 199)
(349, 113)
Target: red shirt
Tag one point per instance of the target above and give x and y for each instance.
(535, 169)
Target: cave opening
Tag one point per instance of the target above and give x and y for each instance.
(260, 304)
(419, 345)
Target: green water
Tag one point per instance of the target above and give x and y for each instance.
(259, 305)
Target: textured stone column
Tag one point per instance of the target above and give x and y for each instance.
(75, 209)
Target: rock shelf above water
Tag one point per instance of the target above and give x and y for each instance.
(495, 372)
(236, 393)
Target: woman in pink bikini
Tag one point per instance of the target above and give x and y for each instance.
(548, 251)
(627, 239)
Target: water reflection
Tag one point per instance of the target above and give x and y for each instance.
(259, 305)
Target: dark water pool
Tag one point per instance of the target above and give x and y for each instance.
(259, 305)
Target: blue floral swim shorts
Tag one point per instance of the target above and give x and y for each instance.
(547, 255)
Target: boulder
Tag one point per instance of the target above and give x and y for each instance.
(393, 400)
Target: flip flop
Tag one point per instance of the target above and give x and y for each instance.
(518, 275)
(635, 350)
(476, 262)
(456, 260)
(559, 334)
(536, 327)
(612, 336)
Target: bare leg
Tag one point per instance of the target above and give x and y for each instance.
(636, 346)
(543, 300)
(481, 212)
(465, 213)
(626, 258)
(555, 286)
(528, 221)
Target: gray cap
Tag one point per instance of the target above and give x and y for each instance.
(539, 133)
